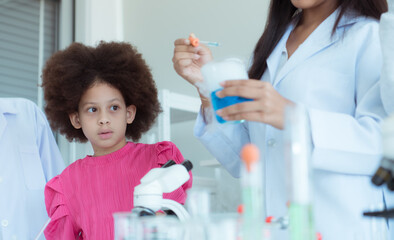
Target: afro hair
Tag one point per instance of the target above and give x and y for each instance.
(70, 72)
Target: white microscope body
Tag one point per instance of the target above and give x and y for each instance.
(148, 196)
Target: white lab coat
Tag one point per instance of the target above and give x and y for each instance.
(387, 41)
(29, 157)
(337, 79)
(386, 31)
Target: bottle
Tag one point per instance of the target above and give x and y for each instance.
(297, 138)
(252, 193)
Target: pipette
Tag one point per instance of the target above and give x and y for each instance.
(194, 41)
(210, 44)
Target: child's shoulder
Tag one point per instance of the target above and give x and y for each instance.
(72, 168)
(164, 151)
(157, 147)
(164, 145)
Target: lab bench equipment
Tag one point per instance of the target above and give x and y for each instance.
(148, 195)
(298, 142)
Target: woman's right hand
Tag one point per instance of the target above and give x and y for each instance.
(188, 60)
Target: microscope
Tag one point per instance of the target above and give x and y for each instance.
(385, 172)
(148, 196)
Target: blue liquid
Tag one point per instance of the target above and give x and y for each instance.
(219, 103)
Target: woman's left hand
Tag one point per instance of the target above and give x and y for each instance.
(268, 106)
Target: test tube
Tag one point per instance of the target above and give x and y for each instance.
(298, 141)
(252, 193)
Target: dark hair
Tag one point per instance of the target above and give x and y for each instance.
(69, 73)
(281, 14)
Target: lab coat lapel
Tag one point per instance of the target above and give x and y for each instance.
(319, 39)
(274, 58)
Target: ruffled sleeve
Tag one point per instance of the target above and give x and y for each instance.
(166, 151)
(61, 225)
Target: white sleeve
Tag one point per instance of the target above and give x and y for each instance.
(387, 42)
(223, 141)
(50, 156)
(352, 143)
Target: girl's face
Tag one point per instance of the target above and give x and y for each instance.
(103, 116)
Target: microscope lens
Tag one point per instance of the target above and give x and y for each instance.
(146, 212)
(390, 185)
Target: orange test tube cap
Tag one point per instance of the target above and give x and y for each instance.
(250, 154)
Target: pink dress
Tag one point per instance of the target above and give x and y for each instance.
(82, 199)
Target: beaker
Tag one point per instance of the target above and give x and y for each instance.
(214, 73)
(130, 227)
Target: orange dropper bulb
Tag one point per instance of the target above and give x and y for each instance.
(193, 40)
(250, 155)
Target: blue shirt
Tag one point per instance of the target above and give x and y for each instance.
(29, 157)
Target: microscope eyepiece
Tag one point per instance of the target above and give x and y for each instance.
(188, 165)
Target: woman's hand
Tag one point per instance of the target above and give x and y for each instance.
(268, 106)
(188, 60)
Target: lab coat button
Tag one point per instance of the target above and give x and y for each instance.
(4, 223)
(271, 142)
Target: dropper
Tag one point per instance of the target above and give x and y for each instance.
(250, 155)
(194, 41)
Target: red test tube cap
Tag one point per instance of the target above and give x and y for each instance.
(319, 236)
(240, 209)
(269, 219)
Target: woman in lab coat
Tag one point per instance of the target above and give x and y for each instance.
(325, 56)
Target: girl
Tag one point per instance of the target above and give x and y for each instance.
(103, 95)
(324, 54)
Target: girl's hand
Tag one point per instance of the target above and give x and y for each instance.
(268, 106)
(188, 60)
